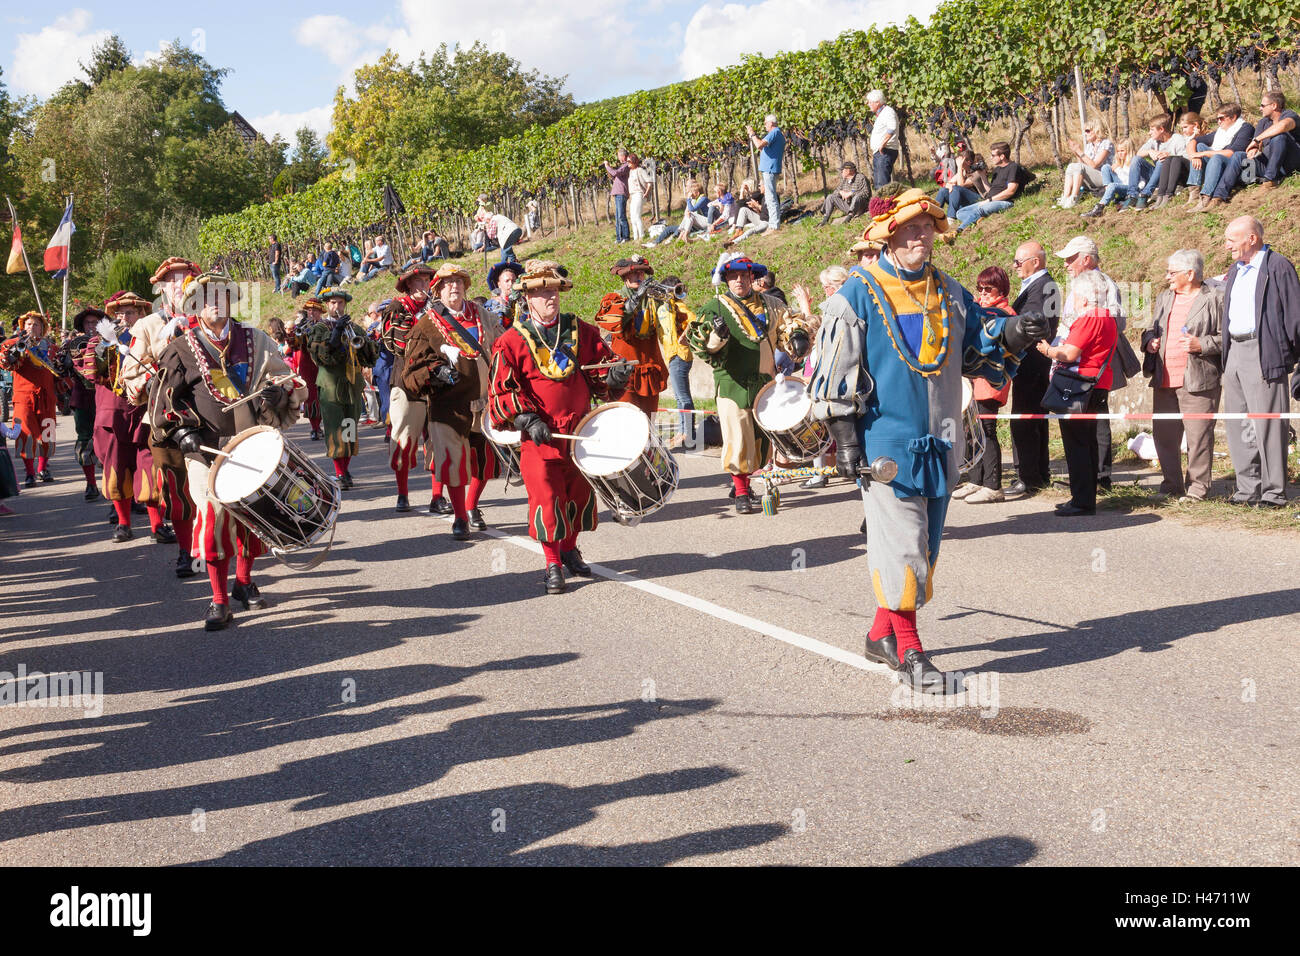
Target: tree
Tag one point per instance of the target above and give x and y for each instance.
(307, 161)
(107, 58)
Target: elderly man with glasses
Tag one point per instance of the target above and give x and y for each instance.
(1038, 293)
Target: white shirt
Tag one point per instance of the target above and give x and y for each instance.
(1222, 137)
(885, 123)
(504, 226)
(1241, 305)
(384, 254)
(1175, 145)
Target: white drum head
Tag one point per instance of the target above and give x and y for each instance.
(967, 393)
(248, 466)
(615, 436)
(507, 439)
(782, 405)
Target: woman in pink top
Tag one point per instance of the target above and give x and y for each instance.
(1181, 358)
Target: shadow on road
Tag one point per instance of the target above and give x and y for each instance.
(994, 851)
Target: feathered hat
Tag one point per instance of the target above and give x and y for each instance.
(887, 215)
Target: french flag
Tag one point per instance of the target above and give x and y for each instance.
(56, 253)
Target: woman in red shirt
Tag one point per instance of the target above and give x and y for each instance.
(1086, 351)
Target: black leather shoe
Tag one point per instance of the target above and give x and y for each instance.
(29, 481)
(756, 501)
(441, 506)
(883, 651)
(218, 617)
(920, 674)
(1094, 212)
(316, 436)
(554, 579)
(92, 493)
(1265, 503)
(1073, 511)
(403, 505)
(164, 535)
(123, 533)
(743, 505)
(476, 520)
(46, 477)
(139, 509)
(112, 516)
(185, 566)
(573, 561)
(460, 529)
(1103, 484)
(345, 481)
(248, 595)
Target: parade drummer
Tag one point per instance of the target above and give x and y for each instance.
(210, 367)
(894, 344)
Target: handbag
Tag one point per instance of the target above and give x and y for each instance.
(1068, 392)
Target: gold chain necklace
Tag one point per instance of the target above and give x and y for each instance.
(929, 284)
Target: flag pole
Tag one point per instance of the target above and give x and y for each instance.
(13, 217)
(66, 271)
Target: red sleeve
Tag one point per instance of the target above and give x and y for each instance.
(591, 351)
(507, 396)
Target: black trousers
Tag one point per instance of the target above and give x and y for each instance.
(987, 469)
(1105, 453)
(1029, 438)
(1079, 436)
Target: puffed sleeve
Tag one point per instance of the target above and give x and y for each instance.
(507, 396)
(984, 354)
(841, 383)
(274, 366)
(171, 403)
(422, 358)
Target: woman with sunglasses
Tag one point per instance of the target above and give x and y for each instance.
(984, 480)
(1085, 173)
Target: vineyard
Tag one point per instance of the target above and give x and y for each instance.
(973, 66)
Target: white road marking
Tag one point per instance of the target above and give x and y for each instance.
(711, 609)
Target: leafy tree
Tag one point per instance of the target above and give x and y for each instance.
(107, 58)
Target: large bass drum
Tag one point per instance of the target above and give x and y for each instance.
(505, 445)
(784, 410)
(972, 430)
(271, 486)
(626, 461)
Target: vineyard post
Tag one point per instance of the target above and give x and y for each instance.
(822, 166)
(1078, 94)
(1232, 76)
(573, 200)
(654, 188)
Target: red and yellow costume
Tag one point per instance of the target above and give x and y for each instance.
(633, 326)
(35, 394)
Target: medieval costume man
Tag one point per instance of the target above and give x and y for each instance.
(408, 415)
(30, 355)
(121, 435)
(456, 329)
(539, 385)
(341, 349)
(893, 346)
(737, 333)
(149, 336)
(81, 395)
(506, 299)
(207, 369)
(300, 360)
(631, 320)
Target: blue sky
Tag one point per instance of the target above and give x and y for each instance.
(286, 62)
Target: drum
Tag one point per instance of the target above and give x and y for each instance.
(269, 485)
(972, 429)
(506, 446)
(784, 410)
(627, 463)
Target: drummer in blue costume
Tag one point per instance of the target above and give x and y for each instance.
(894, 344)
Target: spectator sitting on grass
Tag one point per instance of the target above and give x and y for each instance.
(304, 279)
(1085, 173)
(1004, 186)
(695, 217)
(381, 258)
(850, 195)
(966, 185)
(1179, 167)
(751, 213)
(722, 210)
(329, 268)
(1116, 177)
(1152, 157)
(1276, 146)
(1233, 136)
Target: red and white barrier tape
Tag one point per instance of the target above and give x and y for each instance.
(1143, 416)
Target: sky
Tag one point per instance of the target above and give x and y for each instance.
(285, 68)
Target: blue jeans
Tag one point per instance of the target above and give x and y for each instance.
(969, 215)
(326, 278)
(1142, 171)
(882, 166)
(508, 247)
(382, 376)
(1281, 156)
(275, 275)
(679, 376)
(621, 233)
(1113, 186)
(1212, 171)
(772, 200)
(955, 198)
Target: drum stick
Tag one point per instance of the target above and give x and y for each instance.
(610, 364)
(280, 380)
(221, 454)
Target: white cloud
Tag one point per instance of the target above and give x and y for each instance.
(287, 124)
(719, 34)
(46, 60)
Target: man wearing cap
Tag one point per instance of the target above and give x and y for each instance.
(341, 349)
(506, 299)
(1081, 255)
(894, 344)
(737, 333)
(408, 415)
(149, 337)
(302, 363)
(447, 366)
(850, 195)
(539, 386)
(211, 366)
(631, 320)
(81, 398)
(121, 437)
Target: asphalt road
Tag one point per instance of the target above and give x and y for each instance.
(415, 700)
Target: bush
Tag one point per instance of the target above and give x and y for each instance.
(129, 271)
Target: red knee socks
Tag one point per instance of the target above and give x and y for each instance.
(244, 569)
(476, 486)
(42, 463)
(881, 626)
(155, 517)
(569, 543)
(89, 472)
(341, 466)
(552, 551)
(742, 484)
(123, 509)
(403, 481)
(456, 496)
(30, 466)
(904, 625)
(218, 571)
(437, 488)
(184, 533)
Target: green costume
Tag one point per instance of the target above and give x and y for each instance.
(340, 381)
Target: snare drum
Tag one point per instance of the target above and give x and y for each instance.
(972, 430)
(626, 461)
(506, 446)
(784, 410)
(277, 492)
